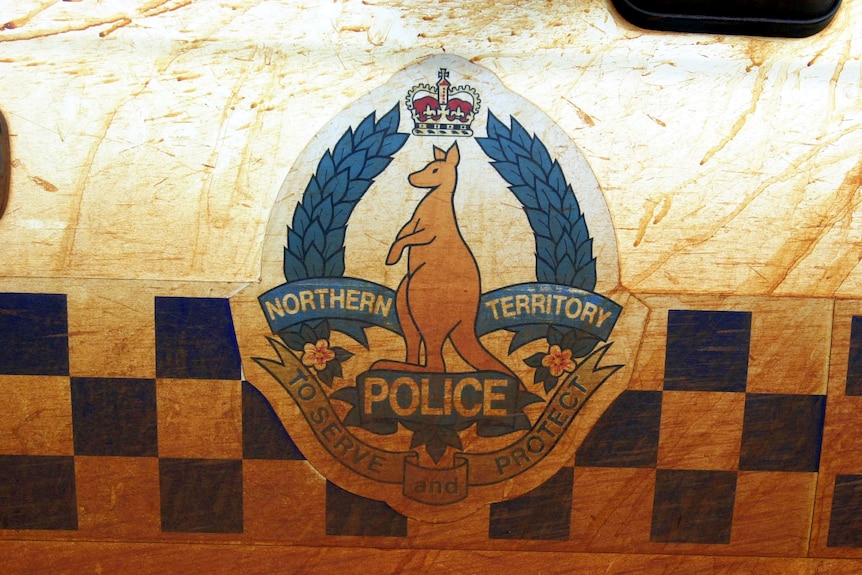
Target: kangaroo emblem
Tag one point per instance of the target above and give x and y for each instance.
(439, 296)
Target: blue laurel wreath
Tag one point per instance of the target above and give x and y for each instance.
(564, 249)
(315, 238)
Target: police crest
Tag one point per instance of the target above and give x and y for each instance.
(436, 319)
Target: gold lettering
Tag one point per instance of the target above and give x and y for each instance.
(372, 396)
(538, 302)
(414, 396)
(569, 303)
(490, 386)
(493, 305)
(320, 297)
(459, 390)
(559, 299)
(274, 309)
(603, 316)
(508, 305)
(590, 310)
(353, 299)
(383, 305)
(336, 299)
(306, 298)
(522, 304)
(426, 397)
(367, 301)
(287, 307)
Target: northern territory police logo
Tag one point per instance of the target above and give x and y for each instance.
(436, 321)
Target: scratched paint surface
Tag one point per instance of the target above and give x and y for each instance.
(149, 138)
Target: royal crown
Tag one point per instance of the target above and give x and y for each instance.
(442, 110)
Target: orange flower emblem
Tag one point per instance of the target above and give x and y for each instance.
(559, 361)
(317, 355)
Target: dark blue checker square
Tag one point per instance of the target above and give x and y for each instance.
(707, 350)
(693, 506)
(34, 337)
(627, 433)
(201, 495)
(263, 435)
(845, 523)
(349, 514)
(113, 416)
(782, 432)
(854, 360)
(38, 492)
(543, 514)
(195, 339)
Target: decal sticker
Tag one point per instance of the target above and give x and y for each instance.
(438, 347)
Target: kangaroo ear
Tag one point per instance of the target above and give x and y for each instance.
(453, 156)
(439, 154)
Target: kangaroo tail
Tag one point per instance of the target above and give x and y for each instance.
(471, 349)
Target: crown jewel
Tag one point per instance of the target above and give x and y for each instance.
(442, 110)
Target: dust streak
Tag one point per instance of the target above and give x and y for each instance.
(18, 22)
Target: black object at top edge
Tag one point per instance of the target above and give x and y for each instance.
(741, 18)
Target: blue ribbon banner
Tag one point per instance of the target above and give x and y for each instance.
(360, 300)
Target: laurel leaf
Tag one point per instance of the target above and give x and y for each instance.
(555, 335)
(556, 225)
(342, 354)
(436, 448)
(540, 155)
(314, 237)
(511, 152)
(496, 129)
(343, 147)
(355, 190)
(334, 242)
(365, 129)
(354, 163)
(545, 250)
(390, 120)
(373, 167)
(312, 191)
(491, 147)
(586, 276)
(300, 219)
(531, 173)
(510, 173)
(315, 244)
(526, 195)
(552, 209)
(537, 222)
(325, 168)
(334, 266)
(449, 437)
(544, 195)
(585, 252)
(520, 135)
(557, 180)
(314, 262)
(324, 209)
(320, 329)
(526, 334)
(294, 242)
(583, 346)
(294, 268)
(535, 360)
(340, 214)
(542, 374)
(371, 145)
(392, 144)
(292, 339)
